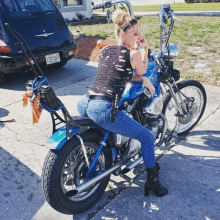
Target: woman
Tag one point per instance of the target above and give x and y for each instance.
(116, 65)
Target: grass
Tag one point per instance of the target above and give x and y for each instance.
(177, 7)
(197, 37)
(183, 7)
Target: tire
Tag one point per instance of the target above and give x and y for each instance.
(52, 175)
(2, 77)
(170, 105)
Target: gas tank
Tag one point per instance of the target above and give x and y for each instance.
(134, 89)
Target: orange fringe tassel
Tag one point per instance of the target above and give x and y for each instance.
(36, 107)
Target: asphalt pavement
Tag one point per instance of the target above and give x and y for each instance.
(190, 170)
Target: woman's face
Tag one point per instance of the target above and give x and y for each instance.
(130, 37)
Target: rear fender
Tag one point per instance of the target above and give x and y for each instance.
(58, 139)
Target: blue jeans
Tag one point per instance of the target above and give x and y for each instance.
(99, 112)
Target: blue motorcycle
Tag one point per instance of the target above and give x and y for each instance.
(83, 155)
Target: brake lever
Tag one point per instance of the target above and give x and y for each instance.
(147, 92)
(175, 18)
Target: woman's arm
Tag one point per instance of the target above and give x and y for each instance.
(146, 83)
(137, 78)
(139, 62)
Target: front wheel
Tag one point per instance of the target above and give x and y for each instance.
(193, 101)
(64, 169)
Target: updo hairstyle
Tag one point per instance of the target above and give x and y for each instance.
(120, 18)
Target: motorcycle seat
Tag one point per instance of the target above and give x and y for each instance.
(83, 121)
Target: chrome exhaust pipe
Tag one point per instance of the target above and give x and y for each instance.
(87, 184)
(131, 166)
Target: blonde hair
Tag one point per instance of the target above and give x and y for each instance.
(120, 18)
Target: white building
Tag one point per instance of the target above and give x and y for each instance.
(69, 8)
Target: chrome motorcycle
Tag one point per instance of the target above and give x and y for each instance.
(83, 155)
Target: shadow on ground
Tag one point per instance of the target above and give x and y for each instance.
(191, 173)
(20, 189)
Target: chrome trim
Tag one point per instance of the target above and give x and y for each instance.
(87, 184)
(45, 35)
(127, 3)
(135, 163)
(165, 127)
(84, 186)
(154, 107)
(174, 97)
(84, 150)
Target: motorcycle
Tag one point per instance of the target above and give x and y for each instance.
(83, 155)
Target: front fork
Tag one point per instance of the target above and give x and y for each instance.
(181, 104)
(180, 107)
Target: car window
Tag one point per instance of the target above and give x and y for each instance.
(16, 8)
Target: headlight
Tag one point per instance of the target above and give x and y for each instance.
(174, 50)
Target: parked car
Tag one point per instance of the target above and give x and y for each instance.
(44, 29)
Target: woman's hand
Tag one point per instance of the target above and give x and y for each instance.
(147, 84)
(142, 41)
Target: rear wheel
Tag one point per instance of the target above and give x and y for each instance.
(193, 109)
(64, 169)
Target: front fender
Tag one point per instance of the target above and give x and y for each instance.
(58, 139)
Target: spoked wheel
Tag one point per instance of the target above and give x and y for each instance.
(67, 168)
(193, 101)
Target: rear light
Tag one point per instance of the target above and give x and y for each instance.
(72, 36)
(4, 48)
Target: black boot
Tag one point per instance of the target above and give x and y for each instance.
(153, 182)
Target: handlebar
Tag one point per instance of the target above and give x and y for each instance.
(163, 15)
(109, 4)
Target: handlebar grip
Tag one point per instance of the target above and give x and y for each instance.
(104, 5)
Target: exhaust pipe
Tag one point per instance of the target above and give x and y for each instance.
(131, 166)
(88, 183)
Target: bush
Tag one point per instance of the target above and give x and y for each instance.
(80, 16)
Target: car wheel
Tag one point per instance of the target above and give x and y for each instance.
(2, 77)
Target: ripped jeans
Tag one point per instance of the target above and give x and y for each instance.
(99, 112)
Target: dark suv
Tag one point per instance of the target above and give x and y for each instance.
(44, 29)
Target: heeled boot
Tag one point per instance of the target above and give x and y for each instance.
(153, 182)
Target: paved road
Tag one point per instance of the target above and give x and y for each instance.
(189, 170)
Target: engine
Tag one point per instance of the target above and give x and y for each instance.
(154, 106)
(150, 112)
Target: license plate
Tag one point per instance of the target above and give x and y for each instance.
(53, 58)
